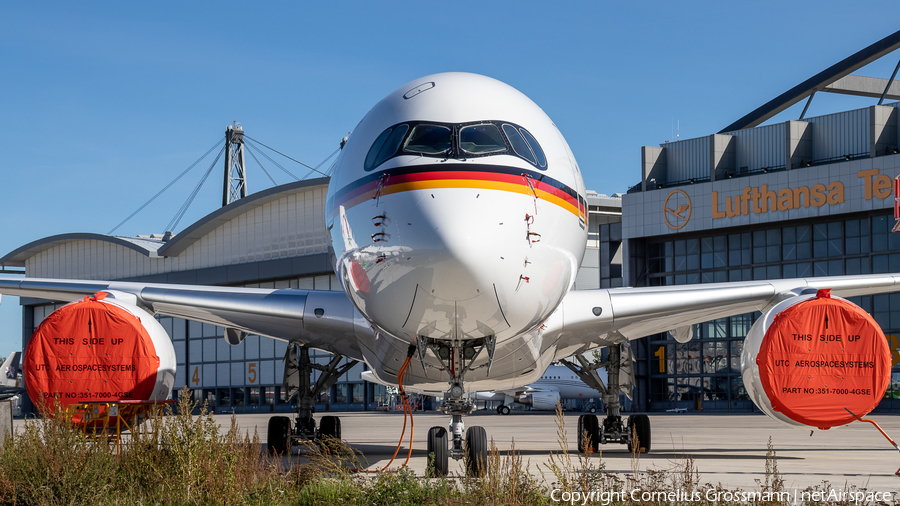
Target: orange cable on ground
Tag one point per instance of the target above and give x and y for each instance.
(406, 411)
(883, 433)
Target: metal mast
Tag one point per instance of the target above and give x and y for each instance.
(235, 174)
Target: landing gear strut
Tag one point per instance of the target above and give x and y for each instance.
(470, 445)
(635, 433)
(297, 372)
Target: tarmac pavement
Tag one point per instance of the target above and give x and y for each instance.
(726, 449)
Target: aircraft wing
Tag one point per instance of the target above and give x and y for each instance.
(320, 319)
(593, 318)
(9, 392)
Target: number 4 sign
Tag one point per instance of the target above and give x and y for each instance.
(196, 379)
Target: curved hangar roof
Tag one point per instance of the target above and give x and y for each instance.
(283, 222)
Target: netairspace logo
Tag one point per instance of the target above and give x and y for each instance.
(717, 496)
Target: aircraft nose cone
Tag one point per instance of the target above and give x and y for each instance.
(465, 239)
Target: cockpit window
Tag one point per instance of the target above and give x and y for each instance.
(428, 140)
(535, 147)
(458, 141)
(481, 139)
(385, 146)
(518, 143)
(376, 147)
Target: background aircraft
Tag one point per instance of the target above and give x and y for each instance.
(11, 376)
(558, 383)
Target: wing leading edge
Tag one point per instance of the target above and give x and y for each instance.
(320, 319)
(328, 321)
(592, 318)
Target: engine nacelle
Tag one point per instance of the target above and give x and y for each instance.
(99, 349)
(540, 400)
(811, 356)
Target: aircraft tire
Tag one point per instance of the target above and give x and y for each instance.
(278, 437)
(593, 409)
(589, 424)
(641, 425)
(437, 446)
(504, 409)
(330, 426)
(476, 452)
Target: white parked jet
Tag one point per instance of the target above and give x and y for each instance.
(558, 383)
(468, 214)
(10, 376)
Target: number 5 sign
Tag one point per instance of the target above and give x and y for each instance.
(252, 374)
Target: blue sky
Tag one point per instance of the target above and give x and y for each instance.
(103, 103)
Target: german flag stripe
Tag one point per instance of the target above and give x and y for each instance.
(489, 177)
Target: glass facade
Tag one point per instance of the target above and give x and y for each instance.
(705, 372)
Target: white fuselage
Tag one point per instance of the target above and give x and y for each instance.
(556, 378)
(482, 239)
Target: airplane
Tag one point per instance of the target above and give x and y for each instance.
(558, 383)
(9, 376)
(469, 217)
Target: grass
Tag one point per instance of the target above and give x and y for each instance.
(182, 459)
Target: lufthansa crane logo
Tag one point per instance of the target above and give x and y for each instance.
(677, 209)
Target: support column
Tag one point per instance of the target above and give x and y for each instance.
(721, 156)
(798, 144)
(653, 166)
(235, 175)
(882, 130)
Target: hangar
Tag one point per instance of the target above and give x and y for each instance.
(275, 238)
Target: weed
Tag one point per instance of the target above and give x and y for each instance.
(181, 458)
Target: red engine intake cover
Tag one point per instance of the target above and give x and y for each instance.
(821, 356)
(90, 351)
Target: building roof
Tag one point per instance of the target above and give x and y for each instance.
(17, 257)
(820, 82)
(208, 223)
(155, 246)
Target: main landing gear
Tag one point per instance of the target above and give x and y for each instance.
(635, 433)
(470, 445)
(282, 435)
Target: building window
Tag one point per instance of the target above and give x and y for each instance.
(358, 390)
(340, 393)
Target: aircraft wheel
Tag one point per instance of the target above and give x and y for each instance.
(330, 426)
(498, 408)
(437, 446)
(278, 438)
(476, 451)
(504, 410)
(640, 424)
(593, 409)
(589, 424)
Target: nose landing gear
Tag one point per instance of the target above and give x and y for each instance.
(469, 445)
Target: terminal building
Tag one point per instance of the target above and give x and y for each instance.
(812, 197)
